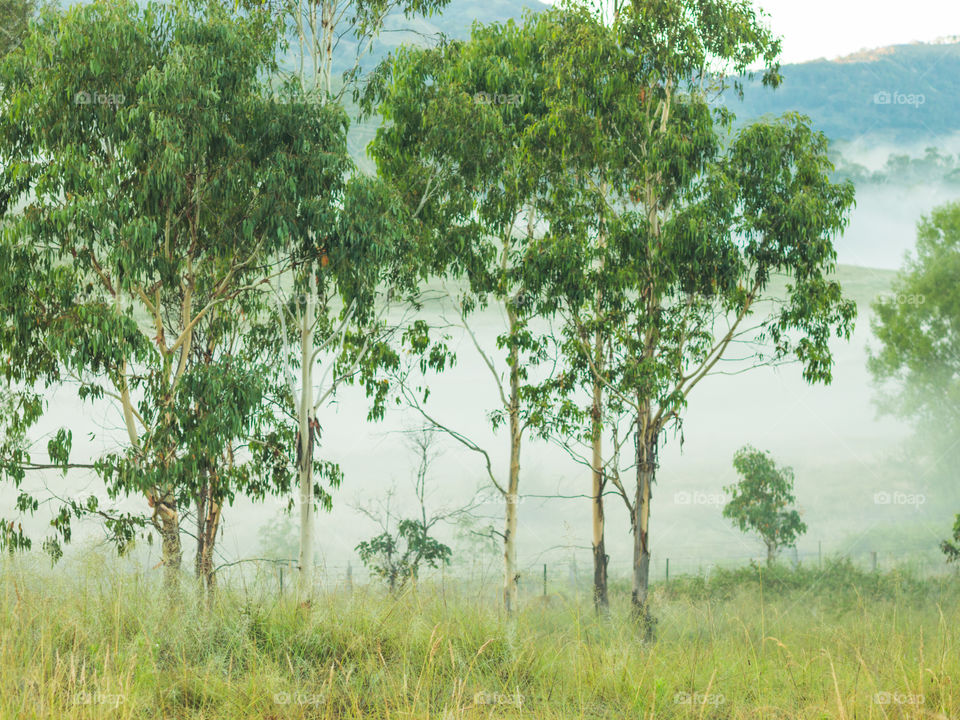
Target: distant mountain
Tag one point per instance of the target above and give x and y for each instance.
(904, 92)
(901, 92)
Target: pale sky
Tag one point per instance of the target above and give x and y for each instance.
(829, 28)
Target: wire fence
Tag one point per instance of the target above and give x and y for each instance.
(570, 574)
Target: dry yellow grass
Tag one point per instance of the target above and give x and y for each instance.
(810, 645)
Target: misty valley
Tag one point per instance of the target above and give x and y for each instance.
(441, 359)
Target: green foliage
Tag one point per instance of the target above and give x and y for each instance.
(918, 326)
(839, 581)
(396, 557)
(14, 17)
(158, 173)
(679, 227)
(454, 149)
(19, 410)
(761, 501)
(951, 547)
(457, 160)
(917, 364)
(901, 93)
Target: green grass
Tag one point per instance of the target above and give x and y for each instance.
(746, 643)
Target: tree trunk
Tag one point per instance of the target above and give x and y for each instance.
(207, 576)
(208, 522)
(771, 553)
(306, 422)
(305, 557)
(600, 558)
(510, 573)
(170, 546)
(646, 448)
(328, 30)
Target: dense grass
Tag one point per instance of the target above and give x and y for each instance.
(750, 643)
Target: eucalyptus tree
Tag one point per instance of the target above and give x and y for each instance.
(592, 425)
(345, 271)
(345, 275)
(160, 178)
(455, 148)
(676, 230)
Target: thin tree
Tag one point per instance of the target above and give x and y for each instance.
(345, 270)
(397, 553)
(454, 148)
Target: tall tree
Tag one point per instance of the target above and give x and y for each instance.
(158, 177)
(917, 365)
(671, 228)
(331, 329)
(344, 271)
(454, 145)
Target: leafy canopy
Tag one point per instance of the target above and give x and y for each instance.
(397, 557)
(668, 229)
(158, 174)
(918, 326)
(761, 501)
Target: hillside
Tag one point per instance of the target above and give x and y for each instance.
(903, 92)
(898, 94)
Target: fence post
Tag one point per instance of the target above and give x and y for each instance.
(544, 579)
(668, 571)
(281, 579)
(873, 560)
(349, 577)
(819, 554)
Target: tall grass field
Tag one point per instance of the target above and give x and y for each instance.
(836, 642)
